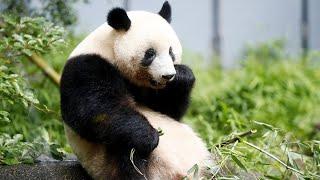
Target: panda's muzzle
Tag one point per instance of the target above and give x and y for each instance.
(163, 81)
(168, 77)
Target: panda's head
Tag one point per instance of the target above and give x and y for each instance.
(145, 46)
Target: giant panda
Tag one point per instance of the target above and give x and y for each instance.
(122, 84)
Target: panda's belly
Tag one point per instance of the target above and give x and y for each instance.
(179, 148)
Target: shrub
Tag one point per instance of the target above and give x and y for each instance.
(272, 94)
(22, 138)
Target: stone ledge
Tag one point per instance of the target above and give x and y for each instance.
(66, 170)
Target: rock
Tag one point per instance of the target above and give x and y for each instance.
(66, 170)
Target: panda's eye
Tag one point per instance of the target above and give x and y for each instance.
(171, 54)
(149, 56)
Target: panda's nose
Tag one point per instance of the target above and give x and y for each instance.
(168, 77)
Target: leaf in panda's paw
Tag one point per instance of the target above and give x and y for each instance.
(160, 131)
(133, 164)
(194, 171)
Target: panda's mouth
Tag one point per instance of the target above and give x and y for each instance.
(156, 84)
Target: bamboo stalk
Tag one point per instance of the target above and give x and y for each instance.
(46, 68)
(237, 138)
(273, 157)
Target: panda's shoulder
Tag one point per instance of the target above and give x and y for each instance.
(88, 67)
(90, 63)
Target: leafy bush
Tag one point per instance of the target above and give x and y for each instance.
(21, 135)
(272, 94)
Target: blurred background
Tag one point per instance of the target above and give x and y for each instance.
(224, 27)
(256, 101)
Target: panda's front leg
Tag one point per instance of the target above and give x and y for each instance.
(131, 131)
(184, 78)
(173, 100)
(178, 91)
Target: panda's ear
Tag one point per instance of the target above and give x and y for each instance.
(165, 11)
(118, 19)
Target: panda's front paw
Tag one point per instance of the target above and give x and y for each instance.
(146, 141)
(184, 74)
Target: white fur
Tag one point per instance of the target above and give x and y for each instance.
(162, 65)
(126, 49)
(179, 148)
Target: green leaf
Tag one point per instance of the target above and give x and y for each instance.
(28, 160)
(10, 161)
(272, 177)
(55, 152)
(27, 52)
(160, 131)
(268, 126)
(194, 170)
(238, 162)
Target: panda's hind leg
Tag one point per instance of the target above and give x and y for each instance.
(102, 164)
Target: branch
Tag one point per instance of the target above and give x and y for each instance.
(46, 68)
(42, 64)
(237, 138)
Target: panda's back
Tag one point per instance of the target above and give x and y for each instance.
(99, 42)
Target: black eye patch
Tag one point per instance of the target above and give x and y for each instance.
(171, 54)
(149, 56)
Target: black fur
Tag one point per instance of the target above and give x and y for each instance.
(97, 102)
(118, 19)
(148, 58)
(173, 57)
(165, 11)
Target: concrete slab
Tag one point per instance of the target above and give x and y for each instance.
(65, 170)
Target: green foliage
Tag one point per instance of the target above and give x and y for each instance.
(14, 150)
(22, 135)
(24, 35)
(13, 90)
(57, 11)
(271, 93)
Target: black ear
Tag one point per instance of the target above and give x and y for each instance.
(165, 11)
(118, 19)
